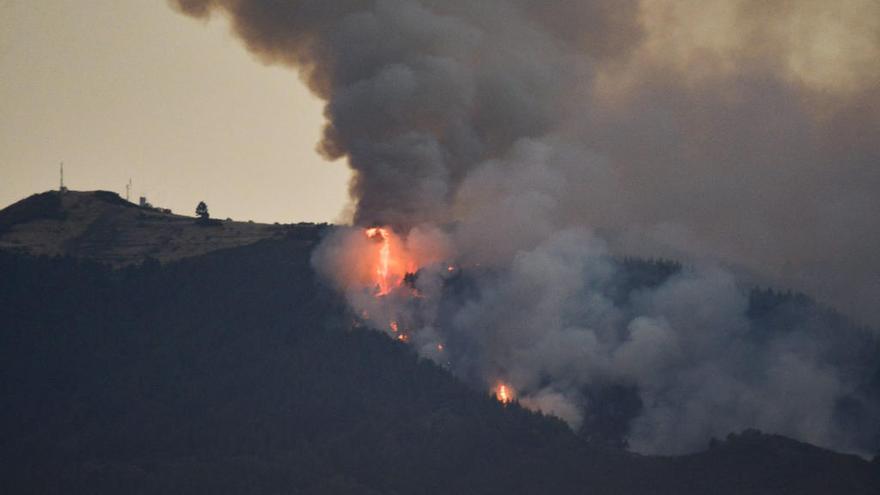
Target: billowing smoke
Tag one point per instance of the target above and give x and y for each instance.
(531, 142)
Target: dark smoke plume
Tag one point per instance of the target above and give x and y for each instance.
(741, 131)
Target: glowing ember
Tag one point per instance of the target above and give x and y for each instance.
(504, 394)
(403, 337)
(384, 258)
(394, 327)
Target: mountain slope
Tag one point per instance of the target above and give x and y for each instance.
(230, 368)
(237, 372)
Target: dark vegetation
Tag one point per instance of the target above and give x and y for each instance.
(634, 274)
(232, 373)
(850, 348)
(48, 206)
(36, 207)
(772, 314)
(110, 197)
(205, 219)
(238, 372)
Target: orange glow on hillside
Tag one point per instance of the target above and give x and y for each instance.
(391, 262)
(377, 260)
(504, 393)
(378, 268)
(382, 268)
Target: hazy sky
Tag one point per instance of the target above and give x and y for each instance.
(132, 89)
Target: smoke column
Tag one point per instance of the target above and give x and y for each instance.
(534, 139)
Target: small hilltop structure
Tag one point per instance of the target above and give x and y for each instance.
(62, 188)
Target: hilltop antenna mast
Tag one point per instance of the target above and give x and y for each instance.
(128, 190)
(61, 187)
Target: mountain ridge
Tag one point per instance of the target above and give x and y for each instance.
(101, 226)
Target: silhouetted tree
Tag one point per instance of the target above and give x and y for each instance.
(202, 211)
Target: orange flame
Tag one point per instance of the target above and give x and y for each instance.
(384, 261)
(378, 262)
(384, 258)
(504, 393)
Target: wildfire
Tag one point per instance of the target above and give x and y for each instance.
(382, 268)
(384, 265)
(388, 263)
(504, 394)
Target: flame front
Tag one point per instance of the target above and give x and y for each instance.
(382, 268)
(379, 270)
(379, 259)
(504, 393)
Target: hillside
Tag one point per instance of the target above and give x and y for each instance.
(238, 371)
(101, 226)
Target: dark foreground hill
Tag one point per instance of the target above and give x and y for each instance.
(237, 372)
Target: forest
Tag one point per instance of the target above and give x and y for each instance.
(240, 372)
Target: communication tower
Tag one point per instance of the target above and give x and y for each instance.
(62, 188)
